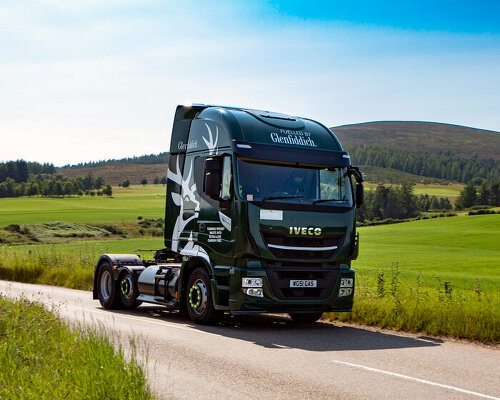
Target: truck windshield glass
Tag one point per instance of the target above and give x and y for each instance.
(266, 182)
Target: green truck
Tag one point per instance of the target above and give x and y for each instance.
(259, 218)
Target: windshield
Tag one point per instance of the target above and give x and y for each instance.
(266, 182)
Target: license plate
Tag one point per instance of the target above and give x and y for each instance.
(303, 283)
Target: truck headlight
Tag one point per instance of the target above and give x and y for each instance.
(345, 292)
(253, 292)
(251, 282)
(346, 282)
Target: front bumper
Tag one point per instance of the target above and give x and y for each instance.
(273, 301)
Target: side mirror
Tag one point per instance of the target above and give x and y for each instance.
(358, 175)
(360, 194)
(213, 177)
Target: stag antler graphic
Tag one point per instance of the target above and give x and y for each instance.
(211, 143)
(188, 193)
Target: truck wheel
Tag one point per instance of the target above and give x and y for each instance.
(129, 290)
(199, 300)
(107, 288)
(305, 318)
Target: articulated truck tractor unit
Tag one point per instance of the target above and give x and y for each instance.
(259, 218)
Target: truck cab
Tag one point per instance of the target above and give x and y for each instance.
(260, 217)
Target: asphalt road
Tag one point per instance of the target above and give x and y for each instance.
(268, 357)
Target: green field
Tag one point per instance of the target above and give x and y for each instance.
(125, 205)
(450, 191)
(457, 249)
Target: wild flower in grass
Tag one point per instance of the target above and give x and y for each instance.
(394, 278)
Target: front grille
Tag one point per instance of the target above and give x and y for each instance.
(280, 275)
(280, 239)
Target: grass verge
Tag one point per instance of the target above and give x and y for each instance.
(50, 266)
(65, 264)
(42, 358)
(443, 310)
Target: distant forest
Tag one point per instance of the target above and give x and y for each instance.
(22, 178)
(444, 165)
(20, 170)
(161, 158)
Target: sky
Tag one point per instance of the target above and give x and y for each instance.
(92, 80)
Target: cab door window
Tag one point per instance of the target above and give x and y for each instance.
(226, 178)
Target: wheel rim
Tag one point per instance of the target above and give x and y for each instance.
(198, 297)
(106, 285)
(126, 287)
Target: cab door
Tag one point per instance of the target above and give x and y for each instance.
(215, 222)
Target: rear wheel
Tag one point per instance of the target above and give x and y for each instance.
(305, 318)
(199, 299)
(129, 290)
(107, 288)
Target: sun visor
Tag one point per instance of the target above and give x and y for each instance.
(292, 155)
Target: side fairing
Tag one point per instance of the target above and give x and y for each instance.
(186, 204)
(182, 210)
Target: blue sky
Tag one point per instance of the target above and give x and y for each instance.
(97, 79)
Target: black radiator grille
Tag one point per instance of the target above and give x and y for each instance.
(280, 276)
(280, 239)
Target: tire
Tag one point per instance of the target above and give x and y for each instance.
(199, 299)
(129, 290)
(306, 318)
(107, 288)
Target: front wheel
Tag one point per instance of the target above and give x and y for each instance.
(107, 288)
(305, 318)
(199, 299)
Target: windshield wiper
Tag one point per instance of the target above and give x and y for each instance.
(281, 197)
(323, 200)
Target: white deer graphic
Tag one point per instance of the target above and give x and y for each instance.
(187, 194)
(211, 143)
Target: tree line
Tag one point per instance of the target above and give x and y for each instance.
(20, 170)
(161, 158)
(398, 202)
(55, 185)
(443, 165)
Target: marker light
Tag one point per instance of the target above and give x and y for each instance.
(251, 282)
(254, 292)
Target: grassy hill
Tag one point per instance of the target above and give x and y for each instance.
(408, 136)
(393, 176)
(417, 136)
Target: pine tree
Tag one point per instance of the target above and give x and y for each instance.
(467, 197)
(484, 194)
